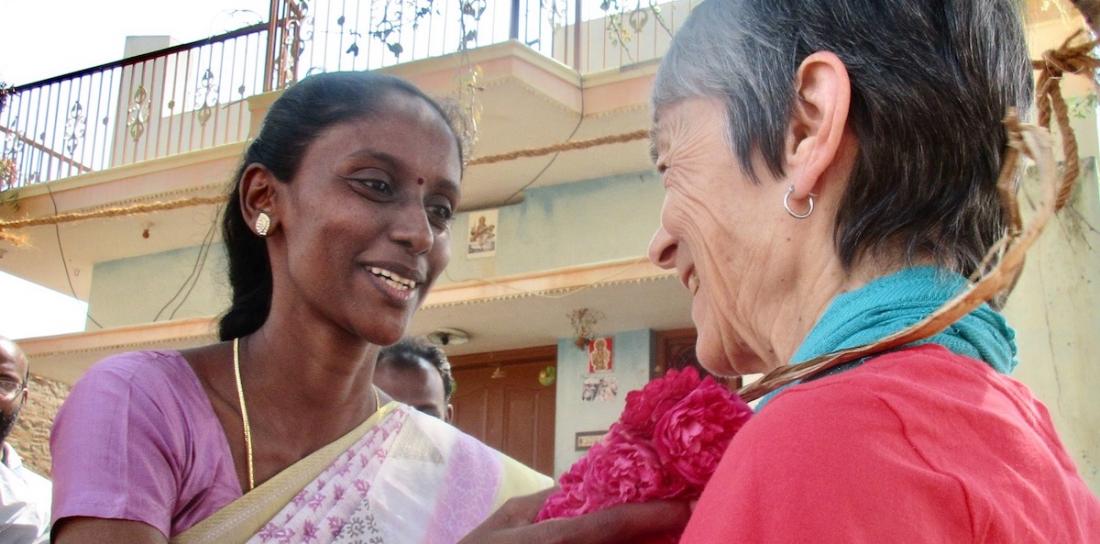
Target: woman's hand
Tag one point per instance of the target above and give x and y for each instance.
(626, 523)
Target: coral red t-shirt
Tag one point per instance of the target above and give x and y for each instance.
(919, 445)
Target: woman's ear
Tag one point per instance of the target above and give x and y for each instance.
(258, 196)
(819, 118)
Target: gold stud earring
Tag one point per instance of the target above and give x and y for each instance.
(263, 223)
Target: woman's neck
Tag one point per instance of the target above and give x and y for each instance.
(317, 364)
(795, 315)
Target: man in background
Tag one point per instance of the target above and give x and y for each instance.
(417, 373)
(24, 495)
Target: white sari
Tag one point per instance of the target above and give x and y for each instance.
(400, 478)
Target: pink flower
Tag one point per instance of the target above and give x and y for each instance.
(561, 505)
(666, 445)
(569, 501)
(691, 437)
(645, 407)
(624, 470)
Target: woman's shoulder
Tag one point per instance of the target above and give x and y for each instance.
(894, 410)
(927, 372)
(138, 428)
(915, 430)
(911, 394)
(141, 369)
(139, 381)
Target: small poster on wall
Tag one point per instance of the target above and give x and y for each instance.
(600, 388)
(585, 440)
(482, 240)
(601, 355)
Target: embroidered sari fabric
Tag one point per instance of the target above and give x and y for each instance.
(405, 478)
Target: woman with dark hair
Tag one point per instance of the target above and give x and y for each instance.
(830, 173)
(338, 224)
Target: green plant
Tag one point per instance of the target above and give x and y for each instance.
(5, 90)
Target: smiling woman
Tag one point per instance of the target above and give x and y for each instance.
(338, 225)
(830, 173)
(831, 178)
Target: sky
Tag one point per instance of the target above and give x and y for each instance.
(32, 310)
(45, 38)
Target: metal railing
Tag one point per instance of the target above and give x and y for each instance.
(171, 101)
(192, 96)
(587, 35)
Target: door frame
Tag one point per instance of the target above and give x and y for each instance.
(664, 340)
(505, 357)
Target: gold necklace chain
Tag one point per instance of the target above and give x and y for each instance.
(244, 412)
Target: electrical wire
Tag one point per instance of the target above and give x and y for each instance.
(199, 265)
(580, 120)
(64, 263)
(196, 269)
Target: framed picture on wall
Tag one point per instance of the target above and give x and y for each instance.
(599, 388)
(601, 355)
(481, 240)
(584, 441)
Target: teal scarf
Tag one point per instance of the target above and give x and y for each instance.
(892, 303)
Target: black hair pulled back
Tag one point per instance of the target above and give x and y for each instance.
(294, 121)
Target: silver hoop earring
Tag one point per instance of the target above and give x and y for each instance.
(787, 204)
(263, 224)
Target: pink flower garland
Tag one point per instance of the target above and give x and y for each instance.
(666, 445)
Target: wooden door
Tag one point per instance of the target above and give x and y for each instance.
(676, 349)
(500, 401)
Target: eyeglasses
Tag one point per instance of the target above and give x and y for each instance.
(9, 389)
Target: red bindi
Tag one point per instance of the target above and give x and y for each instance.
(420, 181)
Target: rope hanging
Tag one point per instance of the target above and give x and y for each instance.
(564, 146)
(119, 211)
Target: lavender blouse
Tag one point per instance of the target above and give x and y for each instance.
(137, 439)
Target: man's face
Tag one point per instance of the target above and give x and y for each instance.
(13, 369)
(419, 386)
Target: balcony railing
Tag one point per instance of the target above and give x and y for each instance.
(192, 96)
(351, 35)
(171, 101)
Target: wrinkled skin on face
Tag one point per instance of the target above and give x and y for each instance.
(730, 241)
(365, 224)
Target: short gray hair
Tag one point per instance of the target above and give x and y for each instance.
(931, 81)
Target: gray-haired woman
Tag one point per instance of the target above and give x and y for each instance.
(830, 172)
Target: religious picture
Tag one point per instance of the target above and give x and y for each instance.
(482, 241)
(608, 389)
(600, 355)
(600, 388)
(590, 389)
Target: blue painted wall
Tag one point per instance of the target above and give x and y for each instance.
(131, 291)
(566, 225)
(632, 356)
